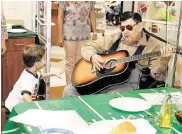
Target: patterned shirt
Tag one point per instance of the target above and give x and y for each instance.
(4, 34)
(76, 23)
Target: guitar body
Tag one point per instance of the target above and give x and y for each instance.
(88, 82)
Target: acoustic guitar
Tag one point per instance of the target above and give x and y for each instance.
(117, 70)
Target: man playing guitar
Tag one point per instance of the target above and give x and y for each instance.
(136, 41)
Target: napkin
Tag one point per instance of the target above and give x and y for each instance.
(48, 119)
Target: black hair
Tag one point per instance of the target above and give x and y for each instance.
(128, 15)
(32, 54)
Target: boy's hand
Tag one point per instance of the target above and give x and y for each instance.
(59, 74)
(55, 74)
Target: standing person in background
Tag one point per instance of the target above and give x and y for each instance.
(4, 34)
(77, 19)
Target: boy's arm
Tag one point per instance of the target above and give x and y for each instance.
(47, 75)
(27, 97)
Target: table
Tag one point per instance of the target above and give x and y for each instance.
(92, 108)
(26, 34)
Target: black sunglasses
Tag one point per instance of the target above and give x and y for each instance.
(128, 27)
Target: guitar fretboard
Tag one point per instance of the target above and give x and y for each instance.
(139, 57)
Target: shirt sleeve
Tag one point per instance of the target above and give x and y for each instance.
(62, 5)
(158, 66)
(27, 87)
(26, 92)
(102, 44)
(92, 4)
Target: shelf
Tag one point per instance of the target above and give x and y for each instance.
(160, 22)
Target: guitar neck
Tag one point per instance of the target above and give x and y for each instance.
(139, 57)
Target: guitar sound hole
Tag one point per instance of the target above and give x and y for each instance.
(110, 64)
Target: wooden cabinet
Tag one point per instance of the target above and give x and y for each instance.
(12, 63)
(4, 75)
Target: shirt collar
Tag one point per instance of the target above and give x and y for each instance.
(142, 41)
(35, 75)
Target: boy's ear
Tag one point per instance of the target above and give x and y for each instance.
(36, 64)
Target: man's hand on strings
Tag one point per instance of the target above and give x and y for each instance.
(97, 62)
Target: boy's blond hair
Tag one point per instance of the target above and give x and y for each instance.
(32, 53)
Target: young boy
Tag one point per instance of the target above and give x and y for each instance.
(26, 87)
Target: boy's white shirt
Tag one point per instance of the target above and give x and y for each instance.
(27, 82)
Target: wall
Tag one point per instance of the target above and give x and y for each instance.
(151, 16)
(127, 6)
(19, 10)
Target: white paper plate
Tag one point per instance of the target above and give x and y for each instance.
(103, 127)
(17, 30)
(130, 104)
(106, 126)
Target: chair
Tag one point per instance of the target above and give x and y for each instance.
(42, 90)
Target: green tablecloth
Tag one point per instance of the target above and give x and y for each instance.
(26, 34)
(92, 108)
